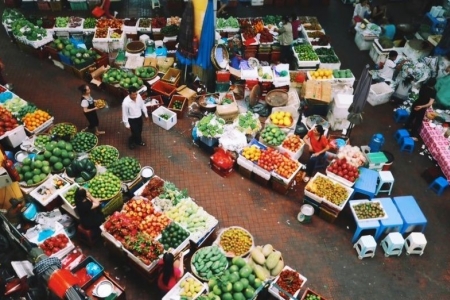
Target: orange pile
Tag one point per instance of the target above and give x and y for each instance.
(35, 119)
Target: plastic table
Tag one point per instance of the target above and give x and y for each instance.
(394, 221)
(411, 213)
(363, 225)
(366, 183)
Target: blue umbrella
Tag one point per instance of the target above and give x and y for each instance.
(206, 38)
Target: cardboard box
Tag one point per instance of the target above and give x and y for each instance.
(97, 75)
(189, 94)
(179, 112)
(317, 90)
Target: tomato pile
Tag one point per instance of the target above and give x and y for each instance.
(54, 244)
(7, 121)
(343, 169)
(270, 159)
(292, 143)
(290, 282)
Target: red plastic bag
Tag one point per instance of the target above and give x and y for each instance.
(98, 12)
(222, 159)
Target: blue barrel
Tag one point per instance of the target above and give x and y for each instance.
(376, 143)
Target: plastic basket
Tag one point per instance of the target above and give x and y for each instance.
(78, 5)
(82, 265)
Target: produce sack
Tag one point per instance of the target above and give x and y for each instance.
(98, 12)
(222, 159)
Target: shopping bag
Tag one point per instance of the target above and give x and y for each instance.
(98, 12)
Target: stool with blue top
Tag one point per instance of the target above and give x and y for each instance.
(394, 221)
(439, 185)
(376, 143)
(365, 225)
(407, 145)
(400, 135)
(366, 183)
(411, 214)
(401, 116)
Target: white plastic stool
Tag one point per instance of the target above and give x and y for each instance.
(415, 243)
(385, 177)
(393, 244)
(155, 3)
(365, 246)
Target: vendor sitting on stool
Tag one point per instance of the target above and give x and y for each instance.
(318, 146)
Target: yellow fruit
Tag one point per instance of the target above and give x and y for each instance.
(287, 121)
(287, 114)
(275, 121)
(320, 73)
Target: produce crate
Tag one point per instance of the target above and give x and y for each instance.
(64, 59)
(223, 76)
(175, 291)
(113, 205)
(172, 76)
(83, 265)
(164, 88)
(66, 204)
(79, 5)
(188, 93)
(274, 289)
(41, 128)
(278, 184)
(339, 178)
(380, 93)
(293, 155)
(378, 55)
(166, 124)
(110, 238)
(311, 292)
(179, 112)
(261, 176)
(140, 262)
(356, 202)
(243, 170)
(49, 186)
(324, 201)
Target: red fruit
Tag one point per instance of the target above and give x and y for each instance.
(55, 249)
(352, 179)
(340, 174)
(48, 252)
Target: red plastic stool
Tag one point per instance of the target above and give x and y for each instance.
(87, 236)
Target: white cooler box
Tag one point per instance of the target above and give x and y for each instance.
(340, 105)
(379, 93)
(363, 42)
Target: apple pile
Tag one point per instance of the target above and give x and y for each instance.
(270, 159)
(343, 169)
(7, 121)
(138, 209)
(54, 244)
(292, 143)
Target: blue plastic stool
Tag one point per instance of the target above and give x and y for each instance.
(400, 134)
(407, 145)
(439, 185)
(365, 225)
(401, 116)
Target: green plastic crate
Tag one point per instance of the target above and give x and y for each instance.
(376, 160)
(78, 5)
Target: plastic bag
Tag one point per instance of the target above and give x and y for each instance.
(222, 159)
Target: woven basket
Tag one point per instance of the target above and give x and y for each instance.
(95, 145)
(67, 137)
(277, 98)
(90, 157)
(135, 47)
(24, 184)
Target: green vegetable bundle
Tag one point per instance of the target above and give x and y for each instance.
(248, 123)
(210, 126)
(170, 30)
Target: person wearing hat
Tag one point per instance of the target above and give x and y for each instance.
(318, 146)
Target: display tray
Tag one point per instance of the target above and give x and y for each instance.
(194, 270)
(140, 262)
(231, 254)
(64, 251)
(356, 202)
(174, 293)
(50, 189)
(41, 128)
(329, 203)
(274, 289)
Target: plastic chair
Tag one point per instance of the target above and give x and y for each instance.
(385, 177)
(407, 145)
(392, 244)
(415, 243)
(400, 135)
(87, 236)
(439, 185)
(401, 116)
(365, 246)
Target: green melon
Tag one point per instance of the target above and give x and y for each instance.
(26, 161)
(37, 179)
(36, 171)
(66, 162)
(28, 175)
(47, 154)
(61, 145)
(53, 159)
(57, 152)
(38, 164)
(58, 166)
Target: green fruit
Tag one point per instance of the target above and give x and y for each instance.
(38, 164)
(66, 162)
(26, 161)
(244, 282)
(238, 296)
(53, 159)
(245, 271)
(238, 286)
(46, 169)
(43, 176)
(234, 268)
(227, 296)
(36, 171)
(36, 179)
(58, 166)
(258, 283)
(49, 147)
(47, 154)
(227, 287)
(217, 290)
(238, 261)
(234, 277)
(61, 145)
(28, 175)
(30, 182)
(45, 163)
(69, 147)
(25, 169)
(40, 157)
(249, 292)
(251, 279)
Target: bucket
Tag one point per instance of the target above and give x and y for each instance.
(390, 158)
(305, 214)
(376, 143)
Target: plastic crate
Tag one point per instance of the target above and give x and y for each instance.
(172, 76)
(380, 93)
(222, 87)
(78, 5)
(82, 265)
(164, 88)
(64, 59)
(223, 76)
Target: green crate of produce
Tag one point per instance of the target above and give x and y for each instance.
(78, 5)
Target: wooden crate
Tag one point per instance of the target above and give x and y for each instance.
(327, 215)
(179, 112)
(83, 72)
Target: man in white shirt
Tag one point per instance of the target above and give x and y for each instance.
(132, 108)
(389, 68)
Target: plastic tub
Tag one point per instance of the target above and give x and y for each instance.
(390, 157)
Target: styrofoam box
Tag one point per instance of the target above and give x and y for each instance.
(139, 191)
(266, 69)
(332, 66)
(140, 262)
(286, 180)
(278, 79)
(249, 74)
(356, 202)
(274, 290)
(245, 163)
(320, 200)
(362, 43)
(377, 55)
(69, 207)
(293, 155)
(66, 250)
(261, 172)
(379, 93)
(109, 237)
(166, 124)
(341, 104)
(143, 29)
(337, 123)
(15, 137)
(257, 2)
(174, 293)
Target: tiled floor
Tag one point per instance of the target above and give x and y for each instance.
(321, 251)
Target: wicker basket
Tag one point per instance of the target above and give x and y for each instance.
(114, 204)
(99, 163)
(24, 184)
(150, 78)
(66, 137)
(135, 47)
(277, 98)
(95, 145)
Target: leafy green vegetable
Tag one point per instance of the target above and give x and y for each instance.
(211, 126)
